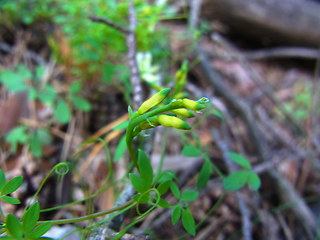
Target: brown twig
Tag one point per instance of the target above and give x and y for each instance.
(216, 81)
(245, 213)
(132, 61)
(256, 77)
(283, 52)
(109, 23)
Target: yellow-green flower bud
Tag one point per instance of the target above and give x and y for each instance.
(154, 101)
(192, 105)
(183, 112)
(177, 103)
(149, 123)
(170, 121)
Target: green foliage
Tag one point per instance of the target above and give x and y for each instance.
(188, 221)
(191, 151)
(27, 227)
(22, 79)
(9, 187)
(204, 174)
(239, 159)
(300, 104)
(238, 179)
(35, 138)
(121, 149)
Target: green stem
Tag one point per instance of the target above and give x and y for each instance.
(163, 152)
(139, 119)
(103, 188)
(129, 204)
(2, 214)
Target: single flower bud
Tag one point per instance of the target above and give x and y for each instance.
(183, 112)
(149, 123)
(170, 121)
(177, 103)
(192, 105)
(154, 101)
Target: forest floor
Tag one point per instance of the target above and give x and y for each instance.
(268, 111)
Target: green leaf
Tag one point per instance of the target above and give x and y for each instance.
(145, 167)
(62, 112)
(36, 145)
(31, 217)
(239, 159)
(188, 221)
(107, 72)
(14, 226)
(12, 185)
(17, 135)
(163, 187)
(40, 230)
(167, 176)
(121, 149)
(138, 183)
(39, 72)
(175, 190)
(121, 126)
(10, 200)
(176, 214)
(13, 81)
(44, 136)
(204, 175)
(163, 203)
(236, 180)
(47, 95)
(217, 113)
(141, 198)
(254, 181)
(2, 178)
(130, 111)
(81, 103)
(32, 94)
(189, 195)
(191, 151)
(75, 87)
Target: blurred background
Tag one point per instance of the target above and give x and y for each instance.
(65, 82)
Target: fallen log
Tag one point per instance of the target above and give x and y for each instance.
(294, 22)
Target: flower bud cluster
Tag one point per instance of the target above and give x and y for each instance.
(154, 115)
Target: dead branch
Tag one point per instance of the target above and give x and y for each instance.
(285, 22)
(216, 81)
